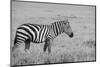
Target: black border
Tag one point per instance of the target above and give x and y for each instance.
(48, 3)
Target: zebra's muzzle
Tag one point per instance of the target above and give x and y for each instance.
(71, 35)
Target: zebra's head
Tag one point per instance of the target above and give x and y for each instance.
(67, 29)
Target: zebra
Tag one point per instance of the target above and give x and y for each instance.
(36, 33)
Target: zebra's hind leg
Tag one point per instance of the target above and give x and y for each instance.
(13, 51)
(15, 44)
(14, 47)
(27, 45)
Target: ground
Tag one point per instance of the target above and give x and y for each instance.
(64, 49)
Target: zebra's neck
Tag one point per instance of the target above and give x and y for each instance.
(57, 28)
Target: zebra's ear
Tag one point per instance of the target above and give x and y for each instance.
(65, 21)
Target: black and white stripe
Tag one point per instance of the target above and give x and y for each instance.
(35, 33)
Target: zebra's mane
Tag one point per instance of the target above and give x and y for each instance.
(62, 21)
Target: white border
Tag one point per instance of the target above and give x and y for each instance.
(5, 33)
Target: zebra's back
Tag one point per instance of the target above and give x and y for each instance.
(36, 33)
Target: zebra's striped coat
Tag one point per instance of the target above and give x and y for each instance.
(27, 33)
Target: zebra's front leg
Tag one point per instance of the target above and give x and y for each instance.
(49, 46)
(27, 46)
(47, 41)
(45, 45)
(50, 43)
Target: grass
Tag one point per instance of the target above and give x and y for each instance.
(84, 52)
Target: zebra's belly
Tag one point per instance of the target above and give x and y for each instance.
(39, 41)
